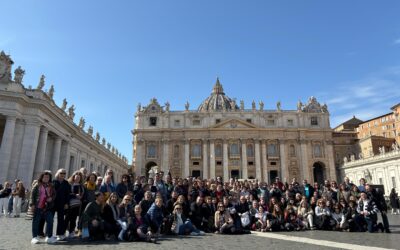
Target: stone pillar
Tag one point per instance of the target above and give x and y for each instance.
(282, 152)
(6, 147)
(138, 159)
(331, 162)
(225, 161)
(165, 158)
(41, 152)
(28, 152)
(264, 160)
(257, 158)
(186, 170)
(55, 161)
(304, 170)
(212, 159)
(67, 156)
(205, 160)
(245, 174)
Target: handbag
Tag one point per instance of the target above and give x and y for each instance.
(245, 219)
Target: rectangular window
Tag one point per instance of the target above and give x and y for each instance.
(83, 163)
(250, 163)
(271, 122)
(196, 163)
(273, 163)
(217, 121)
(272, 150)
(196, 151)
(290, 122)
(248, 120)
(176, 151)
(153, 121)
(177, 123)
(196, 122)
(234, 149)
(393, 182)
(219, 163)
(314, 121)
(380, 181)
(151, 151)
(250, 151)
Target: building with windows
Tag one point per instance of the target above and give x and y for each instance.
(38, 135)
(222, 138)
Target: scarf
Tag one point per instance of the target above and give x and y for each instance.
(90, 186)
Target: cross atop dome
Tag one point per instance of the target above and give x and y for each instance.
(218, 89)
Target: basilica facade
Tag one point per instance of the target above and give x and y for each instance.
(223, 138)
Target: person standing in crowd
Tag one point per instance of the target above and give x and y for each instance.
(378, 197)
(5, 193)
(77, 191)
(394, 201)
(18, 196)
(99, 182)
(90, 189)
(110, 215)
(107, 187)
(42, 201)
(124, 186)
(63, 190)
(84, 173)
(196, 213)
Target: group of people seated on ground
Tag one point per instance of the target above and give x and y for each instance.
(142, 209)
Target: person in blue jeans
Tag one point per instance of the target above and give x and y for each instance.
(181, 225)
(42, 201)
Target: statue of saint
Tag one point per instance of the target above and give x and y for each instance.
(97, 136)
(41, 83)
(71, 112)
(103, 142)
(19, 75)
(241, 105)
(64, 104)
(82, 123)
(108, 146)
(51, 92)
(253, 105)
(187, 105)
(167, 105)
(299, 106)
(261, 105)
(90, 130)
(345, 159)
(278, 106)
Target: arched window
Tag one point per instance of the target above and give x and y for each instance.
(292, 151)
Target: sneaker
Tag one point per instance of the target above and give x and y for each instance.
(61, 237)
(202, 233)
(194, 234)
(35, 240)
(50, 240)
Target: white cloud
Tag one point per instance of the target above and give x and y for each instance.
(365, 98)
(397, 41)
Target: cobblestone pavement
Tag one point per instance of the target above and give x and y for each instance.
(15, 233)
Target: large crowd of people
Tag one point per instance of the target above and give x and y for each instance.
(93, 207)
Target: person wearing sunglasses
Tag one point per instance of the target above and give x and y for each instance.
(63, 190)
(223, 220)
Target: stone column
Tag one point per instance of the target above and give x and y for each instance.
(186, 170)
(212, 159)
(282, 152)
(331, 162)
(55, 161)
(165, 158)
(205, 160)
(264, 160)
(41, 152)
(257, 158)
(28, 152)
(304, 170)
(225, 161)
(138, 158)
(6, 147)
(245, 174)
(67, 156)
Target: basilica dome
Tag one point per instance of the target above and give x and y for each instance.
(218, 101)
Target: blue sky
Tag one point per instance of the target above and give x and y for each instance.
(107, 56)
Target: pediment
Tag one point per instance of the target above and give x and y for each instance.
(234, 124)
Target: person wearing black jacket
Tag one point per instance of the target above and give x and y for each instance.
(196, 213)
(63, 189)
(378, 197)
